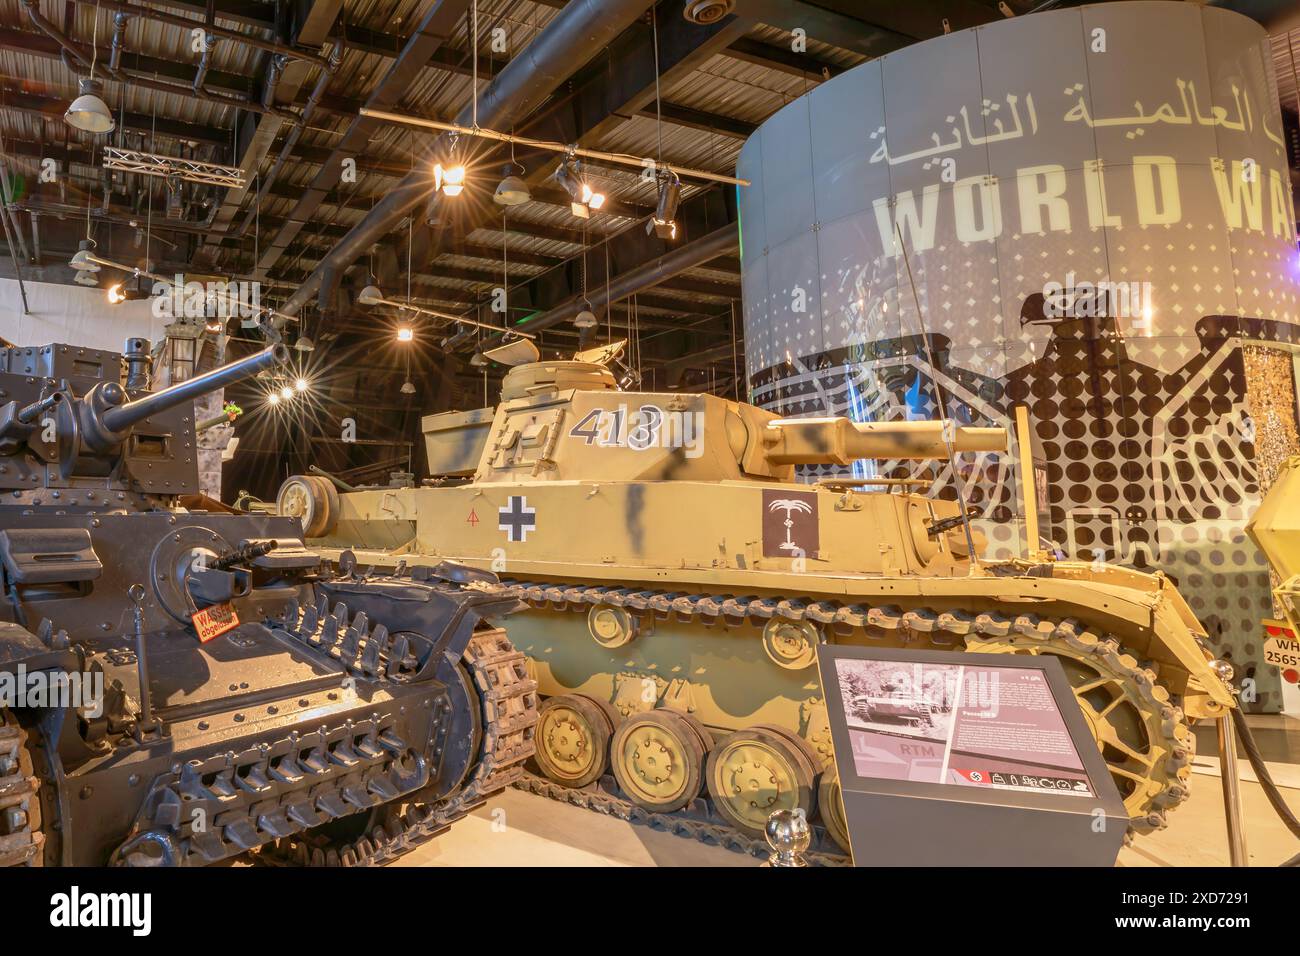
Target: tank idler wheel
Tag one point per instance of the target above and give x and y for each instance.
(611, 626)
(658, 759)
(791, 644)
(573, 735)
(757, 771)
(830, 804)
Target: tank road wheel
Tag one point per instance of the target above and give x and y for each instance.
(658, 759)
(1143, 738)
(757, 771)
(312, 500)
(572, 738)
(22, 840)
(831, 807)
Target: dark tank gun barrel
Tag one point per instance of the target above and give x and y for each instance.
(119, 418)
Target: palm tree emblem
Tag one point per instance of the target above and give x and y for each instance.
(789, 506)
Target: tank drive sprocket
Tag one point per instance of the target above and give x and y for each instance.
(22, 836)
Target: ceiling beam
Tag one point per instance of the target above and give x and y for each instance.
(434, 30)
(313, 30)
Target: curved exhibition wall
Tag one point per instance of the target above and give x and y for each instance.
(1095, 209)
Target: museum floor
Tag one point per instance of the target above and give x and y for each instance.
(541, 832)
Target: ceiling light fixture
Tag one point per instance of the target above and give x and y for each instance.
(405, 334)
(370, 295)
(407, 388)
(81, 260)
(664, 222)
(88, 112)
(511, 191)
(582, 197)
(301, 385)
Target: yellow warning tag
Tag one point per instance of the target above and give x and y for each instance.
(214, 621)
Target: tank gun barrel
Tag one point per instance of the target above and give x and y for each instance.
(839, 441)
(120, 418)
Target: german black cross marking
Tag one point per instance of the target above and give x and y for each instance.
(517, 519)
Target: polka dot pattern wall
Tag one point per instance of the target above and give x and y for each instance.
(1086, 211)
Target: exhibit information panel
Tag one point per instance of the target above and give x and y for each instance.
(959, 724)
(949, 758)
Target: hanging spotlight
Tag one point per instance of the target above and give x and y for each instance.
(81, 258)
(408, 388)
(85, 278)
(405, 334)
(477, 360)
(586, 319)
(582, 198)
(121, 292)
(88, 112)
(301, 385)
(511, 191)
(286, 393)
(449, 179)
(304, 344)
(663, 223)
(370, 295)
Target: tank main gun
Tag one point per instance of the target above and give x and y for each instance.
(839, 441)
(106, 418)
(71, 423)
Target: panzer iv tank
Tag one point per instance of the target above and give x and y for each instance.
(182, 686)
(680, 581)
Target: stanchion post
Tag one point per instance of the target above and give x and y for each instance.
(1228, 776)
(789, 835)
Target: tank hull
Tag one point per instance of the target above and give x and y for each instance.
(724, 625)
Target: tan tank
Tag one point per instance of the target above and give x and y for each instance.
(680, 581)
(1275, 527)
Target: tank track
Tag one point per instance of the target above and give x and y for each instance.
(692, 824)
(509, 699)
(21, 836)
(945, 630)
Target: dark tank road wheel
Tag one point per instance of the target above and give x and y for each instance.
(759, 770)
(572, 739)
(1143, 738)
(22, 839)
(658, 759)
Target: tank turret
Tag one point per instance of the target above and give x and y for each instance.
(70, 424)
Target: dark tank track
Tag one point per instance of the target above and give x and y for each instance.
(1106, 680)
(22, 840)
(508, 715)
